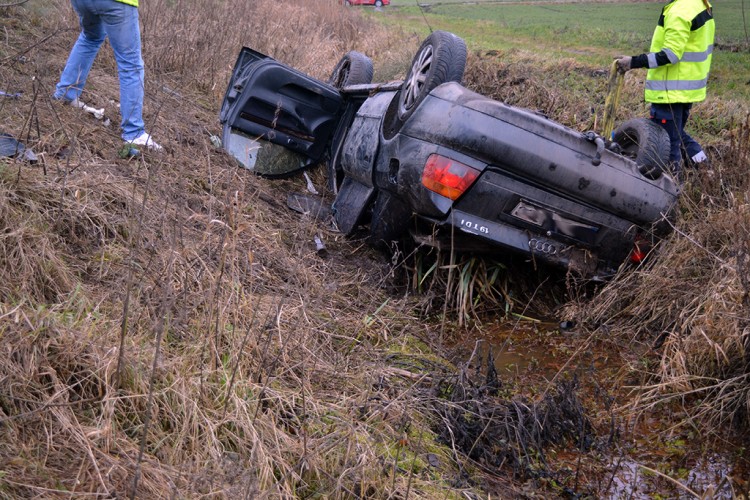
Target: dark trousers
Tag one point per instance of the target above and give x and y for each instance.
(673, 117)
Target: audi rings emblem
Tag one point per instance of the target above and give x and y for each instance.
(542, 246)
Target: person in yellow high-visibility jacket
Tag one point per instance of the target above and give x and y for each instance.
(117, 20)
(678, 63)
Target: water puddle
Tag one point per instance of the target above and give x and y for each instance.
(518, 351)
(529, 355)
(708, 477)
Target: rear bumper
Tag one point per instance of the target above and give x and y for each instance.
(491, 236)
(500, 210)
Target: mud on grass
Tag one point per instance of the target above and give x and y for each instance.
(513, 433)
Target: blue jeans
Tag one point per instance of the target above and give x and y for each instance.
(673, 117)
(118, 21)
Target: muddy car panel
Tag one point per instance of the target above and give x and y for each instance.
(359, 150)
(546, 154)
(362, 144)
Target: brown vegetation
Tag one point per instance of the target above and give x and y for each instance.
(691, 303)
(167, 328)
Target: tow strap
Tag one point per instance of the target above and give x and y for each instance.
(614, 86)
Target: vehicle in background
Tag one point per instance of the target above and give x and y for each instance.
(376, 3)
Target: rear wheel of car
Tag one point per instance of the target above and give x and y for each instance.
(378, 3)
(646, 143)
(441, 58)
(353, 69)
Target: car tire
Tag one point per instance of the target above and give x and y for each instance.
(441, 58)
(353, 69)
(378, 3)
(646, 143)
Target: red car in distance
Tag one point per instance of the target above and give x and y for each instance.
(376, 3)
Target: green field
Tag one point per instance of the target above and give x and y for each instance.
(610, 25)
(590, 32)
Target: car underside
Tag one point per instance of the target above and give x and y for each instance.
(432, 159)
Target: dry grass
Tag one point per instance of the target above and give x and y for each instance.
(167, 328)
(691, 302)
(574, 93)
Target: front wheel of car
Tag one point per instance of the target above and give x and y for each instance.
(378, 3)
(646, 143)
(353, 69)
(441, 58)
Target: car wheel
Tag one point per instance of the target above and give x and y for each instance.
(347, 3)
(353, 69)
(390, 220)
(441, 58)
(646, 143)
(378, 3)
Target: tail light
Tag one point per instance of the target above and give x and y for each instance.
(641, 248)
(447, 177)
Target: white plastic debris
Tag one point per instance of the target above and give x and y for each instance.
(320, 247)
(97, 112)
(310, 185)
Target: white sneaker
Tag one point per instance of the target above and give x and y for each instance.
(146, 140)
(699, 157)
(77, 103)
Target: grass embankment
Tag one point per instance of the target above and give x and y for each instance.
(692, 300)
(167, 322)
(167, 327)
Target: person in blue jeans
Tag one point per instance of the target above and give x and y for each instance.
(118, 20)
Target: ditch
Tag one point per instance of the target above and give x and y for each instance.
(623, 454)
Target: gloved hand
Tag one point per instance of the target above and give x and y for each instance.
(623, 63)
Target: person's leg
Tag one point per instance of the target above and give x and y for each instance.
(121, 25)
(693, 151)
(83, 53)
(669, 116)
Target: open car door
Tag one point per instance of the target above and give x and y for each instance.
(277, 120)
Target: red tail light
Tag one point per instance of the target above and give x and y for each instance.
(448, 177)
(637, 255)
(641, 248)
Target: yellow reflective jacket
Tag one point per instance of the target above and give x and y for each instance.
(685, 33)
(134, 3)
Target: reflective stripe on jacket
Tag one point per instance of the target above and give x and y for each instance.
(685, 33)
(134, 3)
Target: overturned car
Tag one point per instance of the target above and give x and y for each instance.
(429, 158)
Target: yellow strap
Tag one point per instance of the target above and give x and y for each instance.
(616, 79)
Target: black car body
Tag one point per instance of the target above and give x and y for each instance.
(430, 157)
